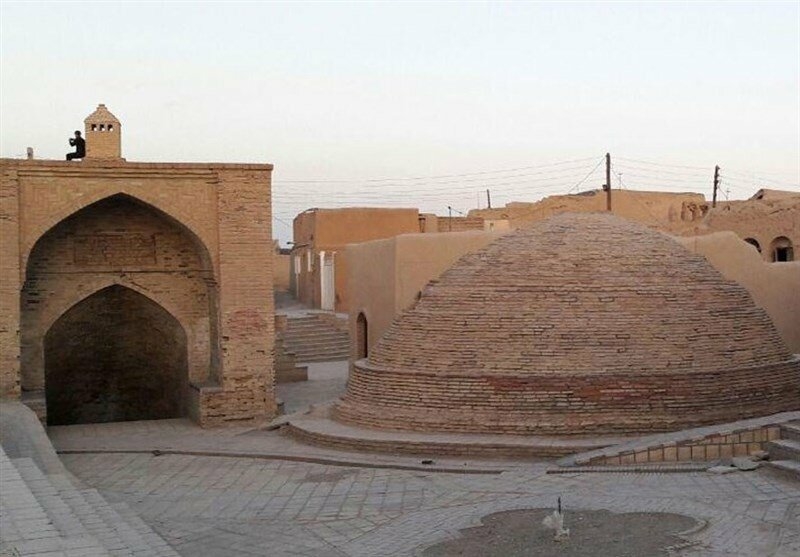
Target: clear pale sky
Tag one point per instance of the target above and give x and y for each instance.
(410, 92)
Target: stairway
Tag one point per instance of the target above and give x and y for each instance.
(51, 514)
(317, 337)
(285, 364)
(784, 453)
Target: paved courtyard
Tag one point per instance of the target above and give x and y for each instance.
(267, 494)
(219, 506)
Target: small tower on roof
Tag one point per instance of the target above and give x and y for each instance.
(103, 135)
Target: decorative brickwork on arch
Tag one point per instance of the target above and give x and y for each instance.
(584, 323)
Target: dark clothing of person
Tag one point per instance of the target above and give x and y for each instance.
(80, 148)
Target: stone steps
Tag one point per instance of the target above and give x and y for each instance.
(791, 431)
(57, 510)
(784, 453)
(786, 468)
(315, 338)
(302, 345)
(26, 527)
(80, 509)
(784, 449)
(84, 517)
(296, 339)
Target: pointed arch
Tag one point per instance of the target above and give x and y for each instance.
(119, 240)
(116, 355)
(71, 211)
(362, 336)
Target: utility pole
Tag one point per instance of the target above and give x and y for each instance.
(449, 218)
(488, 199)
(716, 186)
(607, 185)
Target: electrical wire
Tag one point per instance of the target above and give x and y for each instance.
(434, 177)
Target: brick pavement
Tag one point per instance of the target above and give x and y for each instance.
(219, 506)
(235, 506)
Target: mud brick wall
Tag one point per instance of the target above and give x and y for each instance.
(584, 323)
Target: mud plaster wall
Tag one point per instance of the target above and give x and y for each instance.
(387, 275)
(331, 230)
(773, 286)
(281, 276)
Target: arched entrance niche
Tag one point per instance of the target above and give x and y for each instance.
(117, 243)
(782, 249)
(362, 337)
(115, 356)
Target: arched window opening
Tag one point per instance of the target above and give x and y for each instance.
(753, 242)
(362, 340)
(782, 249)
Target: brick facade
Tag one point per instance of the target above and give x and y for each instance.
(584, 323)
(193, 239)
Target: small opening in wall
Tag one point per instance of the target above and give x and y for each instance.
(94, 127)
(753, 242)
(102, 127)
(362, 341)
(783, 254)
(111, 127)
(782, 249)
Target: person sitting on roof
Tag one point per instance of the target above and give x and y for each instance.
(80, 146)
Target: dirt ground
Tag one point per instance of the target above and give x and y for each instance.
(592, 534)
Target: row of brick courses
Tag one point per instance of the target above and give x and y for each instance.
(430, 447)
(247, 307)
(583, 323)
(563, 404)
(10, 283)
(711, 448)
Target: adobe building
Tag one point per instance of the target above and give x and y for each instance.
(584, 323)
(319, 271)
(134, 290)
(653, 208)
(769, 220)
(320, 235)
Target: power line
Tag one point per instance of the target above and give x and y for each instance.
(661, 164)
(434, 177)
(592, 171)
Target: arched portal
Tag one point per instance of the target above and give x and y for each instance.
(118, 252)
(782, 249)
(362, 339)
(115, 356)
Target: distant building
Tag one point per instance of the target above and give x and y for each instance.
(321, 234)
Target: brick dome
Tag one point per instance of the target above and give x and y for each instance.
(581, 324)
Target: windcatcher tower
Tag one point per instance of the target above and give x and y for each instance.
(103, 135)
